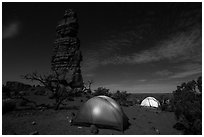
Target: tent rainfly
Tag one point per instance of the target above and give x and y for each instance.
(103, 112)
(150, 102)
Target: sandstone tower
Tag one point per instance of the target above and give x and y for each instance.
(66, 54)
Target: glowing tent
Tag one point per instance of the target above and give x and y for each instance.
(150, 102)
(103, 112)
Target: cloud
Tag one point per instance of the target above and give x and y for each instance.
(181, 71)
(103, 49)
(10, 30)
(113, 44)
(163, 73)
(181, 46)
(181, 42)
(186, 74)
(188, 70)
(142, 80)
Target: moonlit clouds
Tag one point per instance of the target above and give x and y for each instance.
(175, 53)
(181, 46)
(181, 71)
(163, 73)
(188, 69)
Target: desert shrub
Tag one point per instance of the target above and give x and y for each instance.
(88, 91)
(88, 97)
(32, 89)
(197, 127)
(137, 101)
(60, 88)
(121, 97)
(102, 91)
(23, 93)
(167, 106)
(8, 105)
(17, 86)
(179, 126)
(6, 92)
(77, 93)
(70, 99)
(40, 92)
(23, 103)
(130, 103)
(163, 107)
(87, 87)
(188, 106)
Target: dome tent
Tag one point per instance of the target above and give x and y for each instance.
(103, 112)
(150, 102)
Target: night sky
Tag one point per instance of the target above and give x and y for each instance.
(137, 47)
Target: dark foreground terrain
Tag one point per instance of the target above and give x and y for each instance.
(143, 121)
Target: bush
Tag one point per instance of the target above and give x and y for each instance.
(6, 92)
(163, 107)
(88, 97)
(197, 127)
(102, 91)
(70, 99)
(137, 101)
(17, 86)
(88, 91)
(121, 97)
(8, 105)
(23, 103)
(188, 106)
(179, 126)
(130, 103)
(167, 107)
(77, 93)
(32, 89)
(40, 92)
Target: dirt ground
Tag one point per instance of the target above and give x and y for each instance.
(143, 121)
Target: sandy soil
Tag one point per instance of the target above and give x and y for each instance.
(143, 121)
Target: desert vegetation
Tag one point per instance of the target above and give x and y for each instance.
(102, 91)
(60, 89)
(187, 105)
(185, 102)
